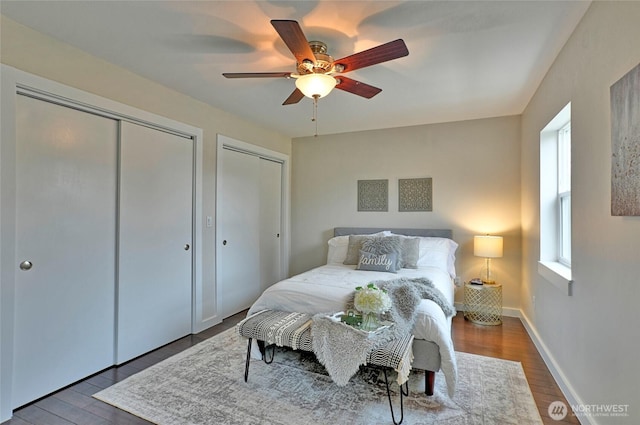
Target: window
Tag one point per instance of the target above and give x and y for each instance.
(564, 195)
(555, 200)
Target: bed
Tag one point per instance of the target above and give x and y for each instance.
(327, 289)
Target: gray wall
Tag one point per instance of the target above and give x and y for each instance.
(476, 188)
(590, 337)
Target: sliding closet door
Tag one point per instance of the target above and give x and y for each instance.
(238, 233)
(65, 246)
(270, 222)
(154, 281)
(249, 234)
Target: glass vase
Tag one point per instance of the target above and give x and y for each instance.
(370, 321)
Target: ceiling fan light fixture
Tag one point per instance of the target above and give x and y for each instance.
(312, 85)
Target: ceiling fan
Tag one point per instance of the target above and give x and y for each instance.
(315, 69)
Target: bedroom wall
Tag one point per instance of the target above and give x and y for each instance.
(589, 337)
(476, 188)
(44, 56)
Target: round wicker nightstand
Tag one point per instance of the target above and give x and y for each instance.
(483, 303)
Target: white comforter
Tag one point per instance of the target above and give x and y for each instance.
(326, 289)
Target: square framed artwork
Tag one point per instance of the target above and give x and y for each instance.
(373, 195)
(625, 145)
(415, 194)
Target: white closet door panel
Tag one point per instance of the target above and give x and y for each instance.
(270, 222)
(238, 237)
(66, 217)
(154, 283)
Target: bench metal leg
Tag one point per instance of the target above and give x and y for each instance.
(246, 366)
(402, 394)
(263, 351)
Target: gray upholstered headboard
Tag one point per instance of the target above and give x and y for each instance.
(439, 233)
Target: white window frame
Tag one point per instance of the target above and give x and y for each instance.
(555, 227)
(564, 195)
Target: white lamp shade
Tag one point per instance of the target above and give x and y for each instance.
(315, 84)
(487, 246)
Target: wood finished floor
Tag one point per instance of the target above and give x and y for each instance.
(74, 404)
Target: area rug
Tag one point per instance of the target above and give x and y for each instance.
(204, 385)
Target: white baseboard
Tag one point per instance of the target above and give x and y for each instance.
(506, 311)
(559, 376)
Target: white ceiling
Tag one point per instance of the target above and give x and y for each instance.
(467, 59)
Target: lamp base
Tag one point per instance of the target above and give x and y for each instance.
(487, 274)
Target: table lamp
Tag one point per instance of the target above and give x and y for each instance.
(488, 247)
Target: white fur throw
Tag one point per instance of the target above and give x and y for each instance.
(406, 294)
(342, 349)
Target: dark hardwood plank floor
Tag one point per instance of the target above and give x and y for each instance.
(510, 341)
(75, 406)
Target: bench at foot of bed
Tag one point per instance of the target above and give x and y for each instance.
(293, 330)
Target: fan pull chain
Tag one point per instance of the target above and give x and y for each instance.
(315, 113)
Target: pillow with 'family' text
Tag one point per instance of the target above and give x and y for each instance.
(385, 245)
(378, 262)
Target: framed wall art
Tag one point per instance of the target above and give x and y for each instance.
(625, 145)
(373, 195)
(415, 194)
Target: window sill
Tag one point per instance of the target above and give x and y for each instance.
(557, 274)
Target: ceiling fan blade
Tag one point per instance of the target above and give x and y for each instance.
(382, 53)
(294, 38)
(257, 74)
(357, 87)
(294, 97)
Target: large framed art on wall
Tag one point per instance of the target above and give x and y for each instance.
(625, 145)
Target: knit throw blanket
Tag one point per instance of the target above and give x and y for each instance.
(343, 349)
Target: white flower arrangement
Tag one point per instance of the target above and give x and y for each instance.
(371, 299)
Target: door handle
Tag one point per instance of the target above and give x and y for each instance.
(26, 265)
(224, 242)
(186, 247)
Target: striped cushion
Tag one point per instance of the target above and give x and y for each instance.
(287, 329)
(284, 329)
(392, 354)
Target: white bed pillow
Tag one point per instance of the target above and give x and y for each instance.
(337, 249)
(435, 252)
(438, 252)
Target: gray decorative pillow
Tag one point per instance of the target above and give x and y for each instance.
(385, 245)
(354, 247)
(410, 252)
(378, 263)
